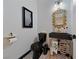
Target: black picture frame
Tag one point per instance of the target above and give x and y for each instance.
(27, 18)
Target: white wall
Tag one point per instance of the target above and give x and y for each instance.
(44, 15)
(13, 23)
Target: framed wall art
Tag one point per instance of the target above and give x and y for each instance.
(27, 18)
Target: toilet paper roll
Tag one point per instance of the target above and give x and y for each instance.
(12, 40)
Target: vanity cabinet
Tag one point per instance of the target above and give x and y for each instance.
(63, 45)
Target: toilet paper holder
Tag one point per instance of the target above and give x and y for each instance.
(11, 38)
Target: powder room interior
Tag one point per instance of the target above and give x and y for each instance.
(39, 29)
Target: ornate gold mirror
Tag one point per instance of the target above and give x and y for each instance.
(59, 19)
